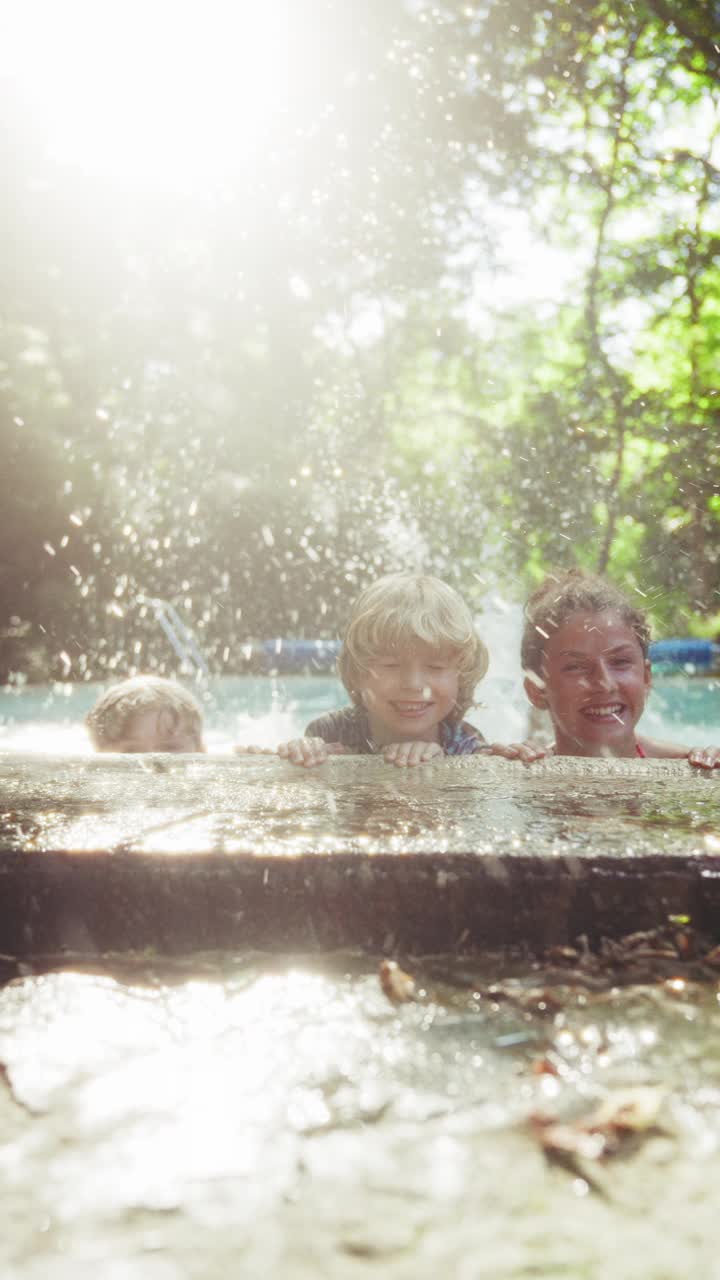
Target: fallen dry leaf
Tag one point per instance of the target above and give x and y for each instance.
(399, 986)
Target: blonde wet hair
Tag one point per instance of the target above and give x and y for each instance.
(109, 720)
(405, 607)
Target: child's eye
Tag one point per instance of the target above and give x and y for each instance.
(623, 662)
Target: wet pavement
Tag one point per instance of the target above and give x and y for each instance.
(233, 1115)
(114, 853)
(170, 804)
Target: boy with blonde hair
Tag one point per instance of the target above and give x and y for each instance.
(146, 713)
(410, 661)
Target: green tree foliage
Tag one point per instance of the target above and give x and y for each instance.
(249, 395)
(608, 456)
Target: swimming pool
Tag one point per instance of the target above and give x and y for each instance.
(266, 710)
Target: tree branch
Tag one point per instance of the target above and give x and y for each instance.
(681, 21)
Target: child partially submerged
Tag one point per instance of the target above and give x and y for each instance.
(146, 713)
(410, 661)
(585, 659)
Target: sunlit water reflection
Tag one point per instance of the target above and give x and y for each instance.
(234, 1116)
(266, 807)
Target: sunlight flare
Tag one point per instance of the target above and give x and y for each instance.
(167, 94)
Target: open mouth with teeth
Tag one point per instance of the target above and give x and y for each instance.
(410, 708)
(609, 711)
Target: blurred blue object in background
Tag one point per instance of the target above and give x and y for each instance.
(702, 654)
(301, 655)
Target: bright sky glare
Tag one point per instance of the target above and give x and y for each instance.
(159, 92)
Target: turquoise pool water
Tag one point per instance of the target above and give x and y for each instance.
(242, 709)
(266, 710)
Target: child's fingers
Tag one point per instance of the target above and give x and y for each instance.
(310, 752)
(529, 752)
(705, 757)
(292, 749)
(407, 754)
(303, 751)
(525, 751)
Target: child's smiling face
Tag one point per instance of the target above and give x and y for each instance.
(408, 691)
(596, 682)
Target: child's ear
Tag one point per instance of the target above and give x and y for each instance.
(535, 691)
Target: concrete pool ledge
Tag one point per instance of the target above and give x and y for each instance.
(114, 853)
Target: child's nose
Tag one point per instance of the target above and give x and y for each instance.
(413, 678)
(603, 676)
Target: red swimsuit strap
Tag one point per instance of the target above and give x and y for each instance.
(640, 751)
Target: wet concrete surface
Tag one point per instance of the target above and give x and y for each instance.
(116, 853)
(237, 1115)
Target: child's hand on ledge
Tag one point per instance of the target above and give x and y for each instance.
(309, 752)
(528, 752)
(405, 754)
(705, 757)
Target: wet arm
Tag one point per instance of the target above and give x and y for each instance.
(700, 757)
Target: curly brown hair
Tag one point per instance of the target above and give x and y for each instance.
(563, 594)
